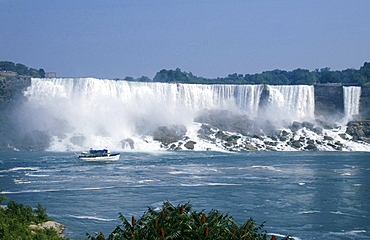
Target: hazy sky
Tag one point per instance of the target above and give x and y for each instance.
(210, 38)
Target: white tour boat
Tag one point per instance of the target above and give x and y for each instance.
(99, 155)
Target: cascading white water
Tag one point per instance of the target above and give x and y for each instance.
(291, 103)
(351, 98)
(88, 112)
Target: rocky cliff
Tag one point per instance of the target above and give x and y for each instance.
(360, 130)
(365, 103)
(329, 100)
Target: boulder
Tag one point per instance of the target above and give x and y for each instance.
(190, 145)
(169, 135)
(308, 125)
(58, 227)
(284, 138)
(295, 144)
(311, 147)
(250, 148)
(328, 138)
(295, 126)
(317, 130)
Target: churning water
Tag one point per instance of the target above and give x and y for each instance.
(310, 195)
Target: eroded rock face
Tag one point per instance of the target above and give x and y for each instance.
(328, 99)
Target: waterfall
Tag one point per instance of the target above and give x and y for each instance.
(291, 103)
(351, 98)
(88, 112)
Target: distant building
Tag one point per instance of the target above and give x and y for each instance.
(50, 74)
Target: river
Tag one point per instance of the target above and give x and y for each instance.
(309, 195)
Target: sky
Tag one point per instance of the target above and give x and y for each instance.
(210, 38)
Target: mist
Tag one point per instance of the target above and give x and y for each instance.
(79, 113)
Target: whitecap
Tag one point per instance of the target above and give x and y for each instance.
(147, 180)
(346, 233)
(36, 175)
(192, 185)
(178, 172)
(92, 188)
(16, 181)
(21, 168)
(308, 212)
(93, 218)
(267, 168)
(222, 184)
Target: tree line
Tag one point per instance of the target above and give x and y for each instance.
(298, 76)
(21, 69)
(350, 76)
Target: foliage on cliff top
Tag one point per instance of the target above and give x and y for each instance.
(15, 221)
(275, 77)
(181, 223)
(20, 70)
(14, 79)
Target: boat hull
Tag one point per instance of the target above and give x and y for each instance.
(111, 157)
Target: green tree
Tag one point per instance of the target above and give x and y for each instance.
(21, 69)
(144, 79)
(129, 79)
(15, 221)
(365, 74)
(2, 197)
(41, 213)
(33, 73)
(162, 76)
(7, 66)
(41, 73)
(302, 76)
(327, 76)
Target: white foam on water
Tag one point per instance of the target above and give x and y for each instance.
(22, 169)
(223, 184)
(192, 184)
(56, 190)
(352, 233)
(17, 181)
(92, 218)
(271, 168)
(36, 175)
(178, 172)
(309, 212)
(146, 180)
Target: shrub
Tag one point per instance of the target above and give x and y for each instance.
(15, 221)
(181, 223)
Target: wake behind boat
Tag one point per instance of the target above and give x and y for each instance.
(99, 155)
